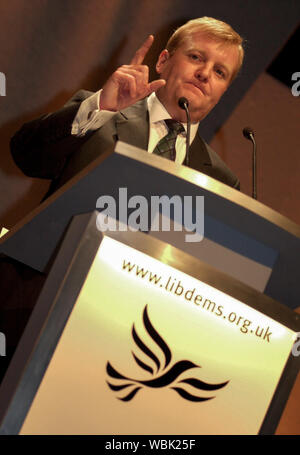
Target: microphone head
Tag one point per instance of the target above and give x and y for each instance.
(183, 102)
(248, 133)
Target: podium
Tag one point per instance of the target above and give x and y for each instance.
(138, 333)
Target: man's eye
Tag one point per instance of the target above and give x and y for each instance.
(195, 57)
(220, 73)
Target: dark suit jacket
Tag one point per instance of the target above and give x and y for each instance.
(45, 148)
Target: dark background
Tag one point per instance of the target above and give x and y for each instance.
(51, 48)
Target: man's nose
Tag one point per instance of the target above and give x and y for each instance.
(203, 73)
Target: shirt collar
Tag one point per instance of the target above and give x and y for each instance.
(158, 113)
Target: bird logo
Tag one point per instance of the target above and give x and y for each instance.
(161, 374)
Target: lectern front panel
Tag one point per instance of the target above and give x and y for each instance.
(155, 345)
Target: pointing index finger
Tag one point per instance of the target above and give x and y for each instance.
(142, 51)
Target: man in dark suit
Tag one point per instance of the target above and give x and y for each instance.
(199, 63)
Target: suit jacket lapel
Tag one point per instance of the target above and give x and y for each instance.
(132, 125)
(199, 156)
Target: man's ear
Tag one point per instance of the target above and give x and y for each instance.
(162, 59)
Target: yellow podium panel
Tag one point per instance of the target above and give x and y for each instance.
(150, 348)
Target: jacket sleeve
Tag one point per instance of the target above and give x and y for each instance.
(41, 147)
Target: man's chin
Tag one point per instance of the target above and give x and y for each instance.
(196, 101)
(197, 114)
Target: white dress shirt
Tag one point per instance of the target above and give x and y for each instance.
(89, 118)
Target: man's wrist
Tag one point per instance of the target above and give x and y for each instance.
(101, 103)
(89, 116)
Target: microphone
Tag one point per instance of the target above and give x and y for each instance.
(184, 104)
(249, 134)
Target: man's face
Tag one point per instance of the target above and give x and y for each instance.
(200, 70)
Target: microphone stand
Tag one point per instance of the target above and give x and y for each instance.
(184, 104)
(249, 134)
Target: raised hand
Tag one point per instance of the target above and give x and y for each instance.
(130, 83)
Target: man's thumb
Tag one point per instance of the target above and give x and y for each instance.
(155, 85)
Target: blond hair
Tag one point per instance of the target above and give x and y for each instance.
(214, 29)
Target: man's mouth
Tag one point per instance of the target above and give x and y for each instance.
(198, 87)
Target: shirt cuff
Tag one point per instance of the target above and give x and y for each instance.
(89, 117)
